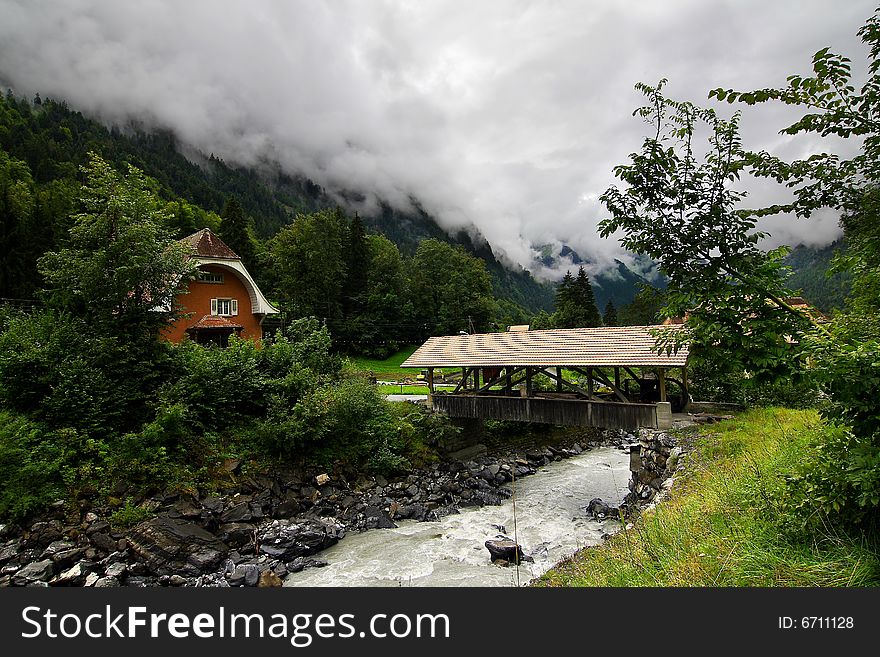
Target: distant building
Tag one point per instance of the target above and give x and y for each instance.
(222, 300)
(798, 303)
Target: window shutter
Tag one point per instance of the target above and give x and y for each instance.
(234, 304)
(213, 306)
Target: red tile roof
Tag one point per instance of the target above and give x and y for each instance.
(206, 244)
(214, 322)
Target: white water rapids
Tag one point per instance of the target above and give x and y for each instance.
(551, 524)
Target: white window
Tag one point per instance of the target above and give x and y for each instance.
(209, 277)
(225, 307)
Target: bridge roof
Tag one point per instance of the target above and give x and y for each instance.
(607, 346)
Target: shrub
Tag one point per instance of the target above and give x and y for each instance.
(839, 479)
(56, 370)
(31, 463)
(129, 515)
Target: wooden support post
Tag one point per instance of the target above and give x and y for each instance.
(684, 385)
(617, 377)
(477, 379)
(600, 376)
(661, 378)
(569, 384)
(462, 385)
(590, 382)
(508, 386)
(431, 380)
(559, 379)
(529, 373)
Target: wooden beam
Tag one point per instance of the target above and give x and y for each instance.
(617, 377)
(615, 387)
(431, 379)
(506, 376)
(631, 373)
(465, 373)
(571, 385)
(590, 381)
(661, 378)
(529, 374)
(684, 385)
(559, 379)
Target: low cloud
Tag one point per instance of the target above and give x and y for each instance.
(508, 116)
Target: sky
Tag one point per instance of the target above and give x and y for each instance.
(508, 116)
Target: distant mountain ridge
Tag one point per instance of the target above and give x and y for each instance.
(57, 139)
(619, 284)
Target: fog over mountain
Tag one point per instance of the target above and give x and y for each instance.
(507, 116)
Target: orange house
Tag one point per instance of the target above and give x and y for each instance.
(223, 298)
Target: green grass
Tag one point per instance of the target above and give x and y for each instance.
(722, 524)
(387, 368)
(403, 390)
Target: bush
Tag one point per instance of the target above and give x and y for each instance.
(839, 480)
(56, 370)
(711, 380)
(31, 464)
(348, 424)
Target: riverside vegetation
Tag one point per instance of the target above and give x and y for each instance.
(731, 519)
(97, 412)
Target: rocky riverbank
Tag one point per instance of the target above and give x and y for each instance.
(255, 534)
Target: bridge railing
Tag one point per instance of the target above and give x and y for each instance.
(564, 412)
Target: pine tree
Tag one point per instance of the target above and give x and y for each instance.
(564, 317)
(610, 316)
(588, 311)
(356, 266)
(235, 231)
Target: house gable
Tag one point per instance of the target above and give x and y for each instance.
(222, 298)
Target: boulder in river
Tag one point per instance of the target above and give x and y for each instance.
(600, 510)
(165, 544)
(505, 549)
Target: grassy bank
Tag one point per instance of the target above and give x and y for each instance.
(723, 523)
(388, 368)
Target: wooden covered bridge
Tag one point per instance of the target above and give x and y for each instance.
(610, 377)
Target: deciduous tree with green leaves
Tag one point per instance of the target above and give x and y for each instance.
(120, 270)
(680, 208)
(844, 477)
(682, 211)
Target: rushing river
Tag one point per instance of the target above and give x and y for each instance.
(551, 524)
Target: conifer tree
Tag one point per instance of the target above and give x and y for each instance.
(235, 231)
(588, 311)
(356, 266)
(609, 318)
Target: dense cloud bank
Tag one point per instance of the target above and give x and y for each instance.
(504, 115)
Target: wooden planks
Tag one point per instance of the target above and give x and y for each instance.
(563, 412)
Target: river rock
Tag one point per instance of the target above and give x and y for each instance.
(505, 549)
(36, 571)
(103, 541)
(599, 510)
(286, 540)
(73, 576)
(301, 563)
(376, 518)
(238, 513)
(246, 574)
(236, 534)
(268, 579)
(165, 544)
(106, 582)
